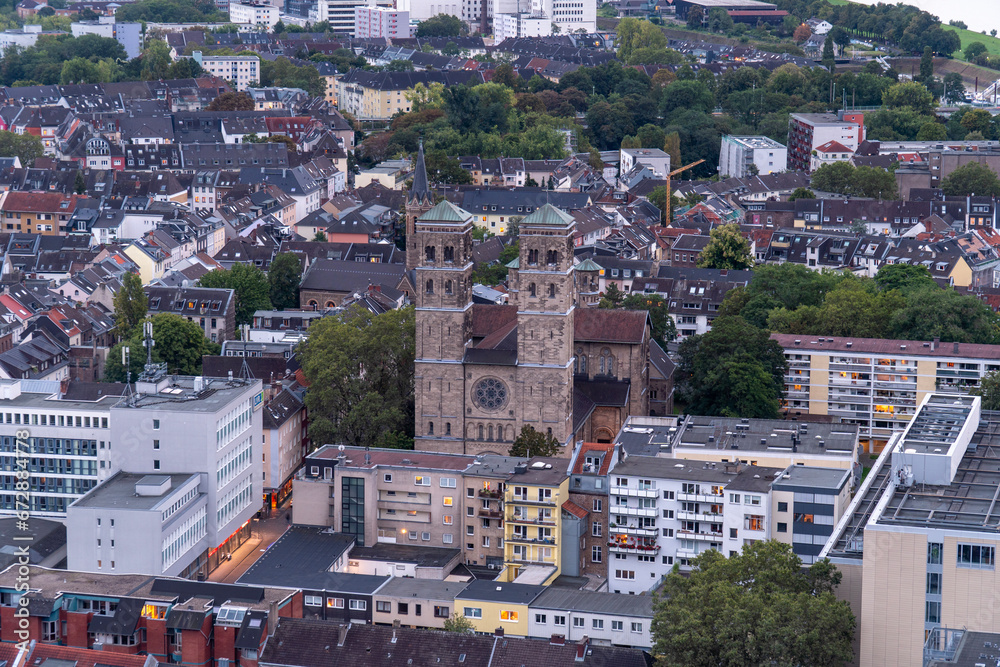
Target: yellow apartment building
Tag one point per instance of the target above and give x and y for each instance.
(494, 604)
(533, 500)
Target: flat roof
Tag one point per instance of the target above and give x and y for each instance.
(178, 394)
(494, 465)
(757, 142)
(891, 348)
(118, 492)
(427, 589)
(405, 553)
(52, 582)
(569, 599)
(816, 478)
(647, 436)
(683, 469)
(732, 3)
(760, 435)
(354, 457)
(496, 591)
(542, 471)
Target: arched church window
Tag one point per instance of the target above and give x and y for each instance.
(552, 290)
(430, 287)
(429, 253)
(531, 290)
(532, 256)
(447, 287)
(449, 253)
(551, 257)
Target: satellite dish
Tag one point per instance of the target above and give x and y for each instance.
(340, 447)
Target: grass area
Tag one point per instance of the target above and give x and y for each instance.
(968, 37)
(864, 473)
(839, 2)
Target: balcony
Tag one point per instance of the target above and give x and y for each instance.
(490, 493)
(699, 498)
(632, 511)
(518, 539)
(691, 535)
(491, 514)
(699, 516)
(632, 530)
(633, 548)
(525, 500)
(633, 493)
(537, 521)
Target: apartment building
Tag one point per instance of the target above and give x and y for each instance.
(243, 71)
(374, 22)
(917, 547)
(45, 213)
(490, 605)
(603, 618)
(129, 35)
(877, 384)
(188, 623)
(284, 444)
(588, 492)
(69, 437)
(533, 501)
(808, 131)
(254, 13)
(340, 13)
(401, 497)
(211, 308)
(380, 95)
(743, 157)
(806, 503)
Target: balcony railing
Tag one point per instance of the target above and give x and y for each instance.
(633, 511)
(699, 516)
(491, 514)
(633, 493)
(547, 542)
(525, 500)
(699, 497)
(708, 537)
(632, 530)
(490, 493)
(537, 521)
(642, 550)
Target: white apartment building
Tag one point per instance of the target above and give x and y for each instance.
(340, 13)
(372, 21)
(569, 15)
(513, 26)
(738, 154)
(655, 159)
(243, 71)
(254, 12)
(603, 618)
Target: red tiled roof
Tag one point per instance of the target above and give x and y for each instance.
(610, 326)
(586, 448)
(84, 657)
(488, 318)
(44, 202)
(575, 509)
(833, 147)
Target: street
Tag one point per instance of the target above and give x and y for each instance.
(265, 532)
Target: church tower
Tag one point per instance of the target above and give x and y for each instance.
(441, 241)
(546, 299)
(419, 200)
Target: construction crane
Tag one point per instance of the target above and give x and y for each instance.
(666, 213)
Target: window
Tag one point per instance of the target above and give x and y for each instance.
(540, 619)
(597, 624)
(559, 620)
(595, 529)
(625, 574)
(447, 538)
(637, 627)
(335, 603)
(426, 537)
(933, 613)
(472, 612)
(752, 500)
(617, 626)
(935, 553)
(596, 554)
(156, 464)
(448, 482)
(402, 608)
(359, 605)
(448, 501)
(508, 615)
(156, 424)
(598, 504)
(782, 507)
(578, 622)
(313, 601)
(804, 518)
(422, 480)
(934, 583)
(387, 478)
(976, 556)
(753, 522)
(440, 612)
(782, 527)
(383, 607)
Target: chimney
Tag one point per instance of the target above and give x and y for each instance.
(581, 648)
(498, 632)
(935, 342)
(956, 347)
(63, 387)
(558, 640)
(342, 634)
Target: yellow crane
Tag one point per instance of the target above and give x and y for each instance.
(666, 213)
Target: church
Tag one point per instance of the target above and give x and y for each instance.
(543, 360)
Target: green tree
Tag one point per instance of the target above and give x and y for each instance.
(978, 120)
(530, 443)
(231, 101)
(974, 50)
(695, 17)
(841, 38)
(319, 236)
(179, 343)
(734, 370)
(613, 297)
(802, 193)
(989, 389)
(130, 305)
(458, 623)
(249, 285)
(283, 277)
(360, 372)
(927, 66)
(758, 607)
(833, 177)
(80, 183)
(634, 35)
(932, 131)
(155, 58)
(903, 277)
(932, 312)
(972, 178)
(911, 95)
(27, 147)
(658, 198)
(496, 272)
(79, 70)
(442, 25)
(726, 249)
(828, 58)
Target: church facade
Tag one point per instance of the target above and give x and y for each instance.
(544, 360)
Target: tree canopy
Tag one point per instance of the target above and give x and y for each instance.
(972, 178)
(757, 607)
(846, 179)
(231, 101)
(530, 442)
(727, 249)
(250, 285)
(283, 278)
(441, 25)
(172, 11)
(360, 372)
(130, 304)
(27, 147)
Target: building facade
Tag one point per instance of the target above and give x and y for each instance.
(243, 71)
(808, 131)
(381, 23)
(254, 13)
(740, 157)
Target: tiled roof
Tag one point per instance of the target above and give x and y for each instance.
(488, 318)
(610, 326)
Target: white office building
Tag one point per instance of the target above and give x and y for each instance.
(340, 13)
(739, 155)
(254, 12)
(243, 71)
(513, 26)
(129, 35)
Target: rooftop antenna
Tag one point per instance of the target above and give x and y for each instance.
(148, 342)
(127, 363)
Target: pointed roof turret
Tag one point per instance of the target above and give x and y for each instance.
(420, 190)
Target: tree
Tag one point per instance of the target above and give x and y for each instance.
(80, 183)
(757, 607)
(530, 443)
(172, 11)
(734, 370)
(932, 312)
(155, 58)
(27, 147)
(458, 623)
(613, 297)
(130, 305)
(972, 178)
(360, 372)
(828, 55)
(278, 28)
(658, 198)
(695, 17)
(179, 343)
(319, 236)
(726, 249)
(927, 66)
(974, 50)
(802, 193)
(442, 25)
(840, 37)
(932, 131)
(283, 277)
(231, 101)
(249, 284)
(662, 325)
(909, 94)
(989, 389)
(635, 36)
(801, 34)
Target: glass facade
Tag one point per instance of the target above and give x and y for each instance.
(352, 506)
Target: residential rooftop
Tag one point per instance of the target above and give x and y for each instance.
(121, 491)
(879, 346)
